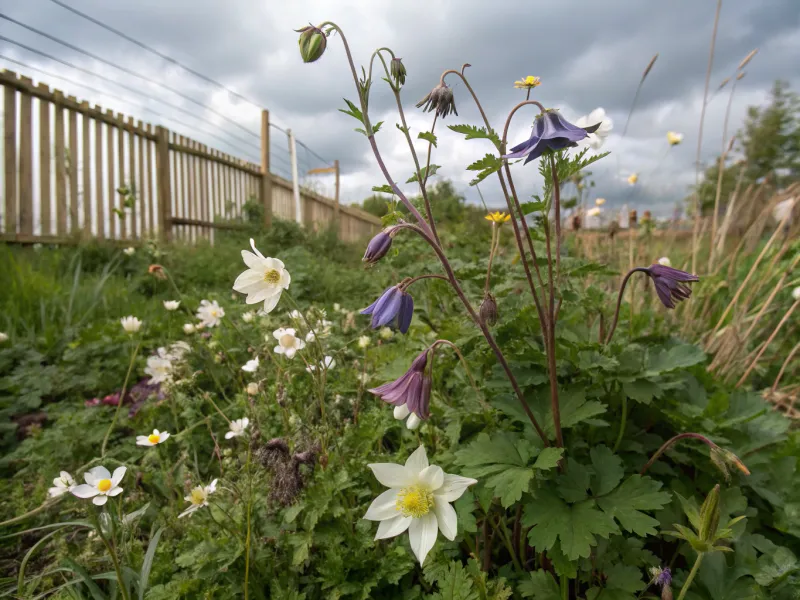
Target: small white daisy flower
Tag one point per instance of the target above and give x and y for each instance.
(100, 484)
(130, 324)
(238, 428)
(288, 342)
(155, 438)
(210, 313)
(199, 498)
(251, 366)
(171, 305)
(61, 485)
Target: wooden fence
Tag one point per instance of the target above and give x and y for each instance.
(72, 171)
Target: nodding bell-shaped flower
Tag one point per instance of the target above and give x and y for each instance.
(439, 99)
(550, 132)
(312, 42)
(488, 310)
(395, 304)
(398, 70)
(379, 245)
(412, 389)
(671, 284)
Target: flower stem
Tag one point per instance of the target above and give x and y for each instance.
(623, 422)
(665, 446)
(121, 400)
(691, 576)
(112, 554)
(619, 300)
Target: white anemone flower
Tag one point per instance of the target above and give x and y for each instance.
(364, 341)
(418, 499)
(288, 342)
(159, 368)
(188, 328)
(199, 498)
(401, 412)
(326, 364)
(264, 280)
(251, 366)
(61, 485)
(3, 337)
(248, 316)
(597, 139)
(131, 324)
(310, 337)
(172, 304)
(129, 251)
(323, 328)
(665, 261)
(210, 313)
(100, 484)
(252, 388)
(238, 428)
(155, 438)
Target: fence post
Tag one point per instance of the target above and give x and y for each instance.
(298, 211)
(266, 176)
(163, 184)
(336, 194)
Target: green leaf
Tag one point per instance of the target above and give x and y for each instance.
(454, 584)
(94, 589)
(147, 564)
(626, 578)
(353, 111)
(677, 357)
(385, 188)
(576, 526)
(548, 458)
(428, 136)
(608, 470)
(471, 132)
(426, 172)
(541, 586)
(641, 390)
(775, 566)
(637, 493)
(487, 165)
(531, 207)
(573, 484)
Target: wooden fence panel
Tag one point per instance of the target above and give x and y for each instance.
(26, 163)
(44, 163)
(86, 171)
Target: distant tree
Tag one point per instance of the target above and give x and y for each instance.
(376, 205)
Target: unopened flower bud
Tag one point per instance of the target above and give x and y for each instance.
(488, 310)
(312, 42)
(709, 516)
(398, 70)
(252, 388)
(379, 245)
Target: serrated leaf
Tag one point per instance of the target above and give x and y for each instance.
(577, 526)
(573, 484)
(541, 586)
(626, 503)
(471, 132)
(608, 470)
(454, 584)
(384, 189)
(531, 207)
(429, 137)
(426, 173)
(641, 390)
(677, 357)
(548, 458)
(353, 111)
(487, 165)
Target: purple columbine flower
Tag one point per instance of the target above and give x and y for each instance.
(550, 132)
(379, 245)
(412, 389)
(671, 283)
(394, 304)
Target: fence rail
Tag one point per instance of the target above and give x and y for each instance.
(73, 171)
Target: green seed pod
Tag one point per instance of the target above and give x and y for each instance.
(488, 310)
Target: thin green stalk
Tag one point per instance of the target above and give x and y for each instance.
(564, 587)
(249, 510)
(509, 546)
(121, 400)
(622, 423)
(691, 577)
(112, 554)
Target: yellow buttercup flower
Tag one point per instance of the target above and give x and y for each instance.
(498, 217)
(633, 179)
(527, 83)
(674, 138)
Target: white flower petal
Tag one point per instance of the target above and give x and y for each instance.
(392, 475)
(417, 461)
(453, 487)
(431, 477)
(96, 473)
(116, 491)
(100, 500)
(189, 510)
(383, 507)
(446, 518)
(164, 436)
(401, 412)
(271, 303)
(413, 422)
(422, 534)
(392, 527)
(229, 435)
(85, 490)
(119, 473)
(141, 440)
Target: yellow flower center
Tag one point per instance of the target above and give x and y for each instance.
(287, 340)
(214, 313)
(272, 276)
(104, 485)
(153, 438)
(414, 501)
(198, 495)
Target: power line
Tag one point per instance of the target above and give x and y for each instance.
(120, 99)
(122, 85)
(127, 71)
(173, 61)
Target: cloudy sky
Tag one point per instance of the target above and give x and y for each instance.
(588, 54)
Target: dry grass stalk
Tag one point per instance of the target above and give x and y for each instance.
(785, 364)
(781, 323)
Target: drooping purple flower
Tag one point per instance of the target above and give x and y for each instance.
(394, 304)
(671, 284)
(550, 132)
(412, 389)
(379, 245)
(664, 577)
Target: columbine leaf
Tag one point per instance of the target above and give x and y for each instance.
(426, 172)
(641, 390)
(576, 526)
(573, 484)
(487, 165)
(608, 470)
(531, 207)
(384, 189)
(472, 133)
(353, 111)
(677, 357)
(626, 503)
(541, 586)
(428, 136)
(454, 583)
